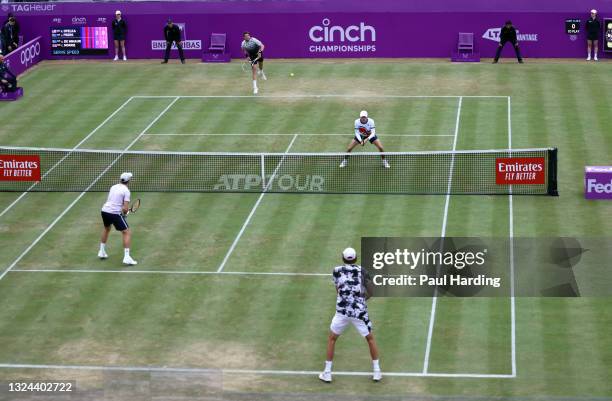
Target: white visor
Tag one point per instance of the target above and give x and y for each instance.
(363, 114)
(593, 11)
(349, 254)
(117, 12)
(125, 177)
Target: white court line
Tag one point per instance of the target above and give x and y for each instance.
(300, 134)
(178, 272)
(58, 218)
(250, 216)
(512, 294)
(244, 371)
(9, 207)
(308, 96)
(434, 301)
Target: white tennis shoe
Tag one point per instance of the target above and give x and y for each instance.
(386, 164)
(326, 377)
(595, 58)
(124, 58)
(102, 254)
(116, 58)
(127, 260)
(255, 90)
(377, 375)
(344, 163)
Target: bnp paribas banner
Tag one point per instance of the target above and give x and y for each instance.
(306, 29)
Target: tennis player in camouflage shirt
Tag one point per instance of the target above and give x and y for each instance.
(352, 283)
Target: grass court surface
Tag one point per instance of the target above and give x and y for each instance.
(240, 282)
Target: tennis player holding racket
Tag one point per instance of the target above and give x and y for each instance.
(365, 130)
(114, 213)
(253, 50)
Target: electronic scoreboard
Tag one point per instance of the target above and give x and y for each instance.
(79, 40)
(608, 34)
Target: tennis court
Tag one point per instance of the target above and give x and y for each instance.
(240, 282)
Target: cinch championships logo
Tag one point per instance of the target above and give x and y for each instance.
(493, 34)
(79, 20)
(187, 44)
(336, 38)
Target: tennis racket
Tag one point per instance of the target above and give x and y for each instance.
(134, 206)
(248, 63)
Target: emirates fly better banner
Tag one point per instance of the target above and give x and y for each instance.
(19, 168)
(520, 170)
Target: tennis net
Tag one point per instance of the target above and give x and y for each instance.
(516, 171)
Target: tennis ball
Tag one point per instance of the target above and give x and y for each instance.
(291, 74)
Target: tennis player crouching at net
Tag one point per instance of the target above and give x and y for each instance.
(114, 213)
(352, 283)
(365, 130)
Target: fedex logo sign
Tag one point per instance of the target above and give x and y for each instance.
(598, 182)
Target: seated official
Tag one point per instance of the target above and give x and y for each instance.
(8, 80)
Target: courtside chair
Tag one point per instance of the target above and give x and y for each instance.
(465, 43)
(217, 43)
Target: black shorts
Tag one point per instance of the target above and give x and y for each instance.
(253, 56)
(592, 36)
(119, 36)
(116, 220)
(512, 42)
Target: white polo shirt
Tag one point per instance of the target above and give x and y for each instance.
(118, 194)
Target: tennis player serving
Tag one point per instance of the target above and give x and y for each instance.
(114, 213)
(253, 50)
(352, 283)
(365, 130)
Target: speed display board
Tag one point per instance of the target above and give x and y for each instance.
(82, 40)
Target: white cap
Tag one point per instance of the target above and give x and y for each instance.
(117, 12)
(349, 254)
(363, 114)
(593, 11)
(125, 177)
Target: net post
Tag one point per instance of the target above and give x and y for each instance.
(552, 172)
(263, 173)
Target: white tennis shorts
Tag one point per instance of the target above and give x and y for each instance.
(340, 322)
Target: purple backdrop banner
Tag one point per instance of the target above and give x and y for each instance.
(25, 56)
(320, 28)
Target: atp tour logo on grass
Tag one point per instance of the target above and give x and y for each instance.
(19, 168)
(493, 34)
(328, 38)
(282, 183)
(520, 170)
(187, 44)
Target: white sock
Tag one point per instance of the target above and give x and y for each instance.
(254, 83)
(375, 364)
(328, 366)
(126, 251)
(595, 53)
(102, 247)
